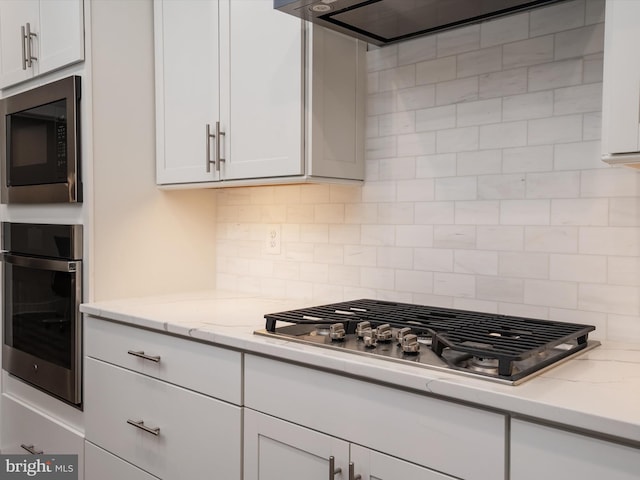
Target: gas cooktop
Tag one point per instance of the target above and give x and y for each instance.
(501, 348)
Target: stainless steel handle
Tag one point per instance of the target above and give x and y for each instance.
(141, 354)
(332, 468)
(23, 39)
(42, 263)
(31, 449)
(140, 424)
(219, 134)
(209, 135)
(352, 475)
(28, 37)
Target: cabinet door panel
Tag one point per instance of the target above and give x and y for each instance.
(262, 85)
(278, 450)
(13, 15)
(101, 465)
(61, 34)
(187, 87)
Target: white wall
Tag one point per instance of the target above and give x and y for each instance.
(484, 185)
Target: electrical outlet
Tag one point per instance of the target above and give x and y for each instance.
(273, 239)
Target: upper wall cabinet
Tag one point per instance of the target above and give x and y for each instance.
(621, 84)
(39, 36)
(246, 95)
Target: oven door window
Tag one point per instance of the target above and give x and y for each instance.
(40, 313)
(37, 146)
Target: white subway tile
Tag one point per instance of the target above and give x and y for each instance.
(597, 319)
(526, 106)
(419, 190)
(434, 213)
(455, 188)
(458, 236)
(413, 281)
(414, 235)
(397, 213)
(436, 118)
(476, 262)
(329, 213)
(594, 11)
(417, 50)
(614, 299)
(500, 84)
(378, 192)
(395, 257)
(314, 233)
(623, 241)
(326, 253)
(624, 212)
(416, 144)
(383, 147)
(454, 284)
(578, 156)
(299, 252)
(475, 305)
(480, 112)
(527, 159)
(524, 265)
(623, 328)
(382, 58)
(273, 213)
(360, 255)
(314, 193)
(327, 293)
(478, 213)
(592, 126)
(551, 293)
(399, 168)
(551, 239)
(623, 271)
(372, 168)
(498, 187)
(578, 99)
(397, 78)
(503, 135)
(458, 40)
(433, 259)
(454, 91)
(379, 235)
(610, 182)
(500, 238)
(380, 103)
(285, 271)
(580, 42)
(519, 310)
(580, 212)
(379, 278)
(396, 123)
(431, 299)
(415, 98)
(528, 52)
(478, 62)
(553, 185)
(345, 193)
(557, 17)
(555, 75)
(555, 130)
(525, 212)
(314, 272)
(592, 68)
(505, 29)
(483, 162)
(500, 289)
(431, 166)
(344, 234)
(578, 268)
(361, 213)
(300, 214)
(372, 83)
(457, 139)
(435, 71)
(290, 232)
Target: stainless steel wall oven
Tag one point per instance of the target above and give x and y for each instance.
(42, 291)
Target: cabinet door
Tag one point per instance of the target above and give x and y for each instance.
(262, 81)
(543, 452)
(101, 465)
(61, 34)
(279, 450)
(15, 14)
(621, 83)
(187, 88)
(372, 465)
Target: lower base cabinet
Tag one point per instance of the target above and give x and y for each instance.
(101, 465)
(539, 451)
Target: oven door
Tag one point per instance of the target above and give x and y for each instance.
(41, 320)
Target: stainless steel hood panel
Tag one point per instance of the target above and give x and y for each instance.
(382, 22)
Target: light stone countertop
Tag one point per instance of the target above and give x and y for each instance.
(598, 391)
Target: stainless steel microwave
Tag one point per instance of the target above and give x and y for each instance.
(40, 155)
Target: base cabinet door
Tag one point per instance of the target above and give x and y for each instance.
(538, 451)
(279, 450)
(101, 465)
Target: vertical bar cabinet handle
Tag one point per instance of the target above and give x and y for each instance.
(332, 468)
(23, 36)
(352, 472)
(219, 136)
(29, 35)
(208, 154)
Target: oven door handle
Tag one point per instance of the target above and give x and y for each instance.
(42, 263)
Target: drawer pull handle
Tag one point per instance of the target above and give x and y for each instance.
(142, 426)
(141, 354)
(333, 471)
(31, 449)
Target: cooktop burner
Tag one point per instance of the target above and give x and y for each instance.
(503, 348)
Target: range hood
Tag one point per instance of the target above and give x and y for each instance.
(382, 22)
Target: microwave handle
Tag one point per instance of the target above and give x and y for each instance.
(41, 263)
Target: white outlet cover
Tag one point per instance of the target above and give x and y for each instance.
(272, 239)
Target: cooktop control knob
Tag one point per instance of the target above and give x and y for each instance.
(409, 343)
(401, 333)
(336, 331)
(384, 333)
(361, 327)
(369, 338)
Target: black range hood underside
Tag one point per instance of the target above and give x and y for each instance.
(382, 22)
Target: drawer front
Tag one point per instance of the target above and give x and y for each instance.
(197, 366)
(197, 434)
(24, 426)
(101, 465)
(420, 429)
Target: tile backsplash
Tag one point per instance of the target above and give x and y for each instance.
(484, 187)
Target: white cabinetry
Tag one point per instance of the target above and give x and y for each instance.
(539, 451)
(248, 95)
(621, 83)
(38, 36)
(428, 434)
(104, 466)
(26, 430)
(149, 401)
